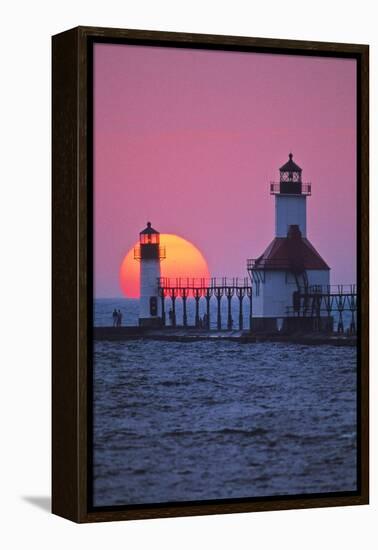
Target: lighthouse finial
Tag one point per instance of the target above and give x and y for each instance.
(291, 155)
(148, 224)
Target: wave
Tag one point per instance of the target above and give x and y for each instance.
(255, 432)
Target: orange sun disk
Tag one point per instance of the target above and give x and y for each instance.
(183, 259)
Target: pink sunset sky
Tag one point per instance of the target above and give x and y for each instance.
(190, 139)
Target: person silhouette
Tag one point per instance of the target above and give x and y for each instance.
(205, 321)
(119, 318)
(115, 317)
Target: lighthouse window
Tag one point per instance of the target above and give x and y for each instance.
(150, 238)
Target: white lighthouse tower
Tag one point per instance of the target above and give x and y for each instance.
(290, 265)
(149, 253)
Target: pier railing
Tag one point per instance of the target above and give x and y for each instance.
(340, 301)
(337, 302)
(262, 263)
(344, 289)
(206, 289)
(201, 282)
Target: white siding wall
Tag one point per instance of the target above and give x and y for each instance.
(278, 293)
(257, 299)
(275, 294)
(149, 273)
(290, 210)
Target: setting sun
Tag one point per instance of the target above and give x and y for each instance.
(183, 259)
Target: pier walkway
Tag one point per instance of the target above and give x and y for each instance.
(194, 335)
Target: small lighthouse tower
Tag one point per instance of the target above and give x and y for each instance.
(290, 264)
(290, 198)
(149, 253)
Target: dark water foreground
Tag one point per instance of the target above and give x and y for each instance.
(177, 421)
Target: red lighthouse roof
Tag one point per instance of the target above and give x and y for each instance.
(293, 253)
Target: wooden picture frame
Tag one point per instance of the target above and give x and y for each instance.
(72, 173)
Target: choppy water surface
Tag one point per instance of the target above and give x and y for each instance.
(215, 420)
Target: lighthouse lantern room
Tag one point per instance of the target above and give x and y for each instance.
(290, 264)
(149, 253)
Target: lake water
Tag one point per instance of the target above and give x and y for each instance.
(178, 421)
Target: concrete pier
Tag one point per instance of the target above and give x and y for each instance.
(189, 334)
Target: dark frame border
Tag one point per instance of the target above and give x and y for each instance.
(72, 271)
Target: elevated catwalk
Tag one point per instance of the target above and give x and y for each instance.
(222, 287)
